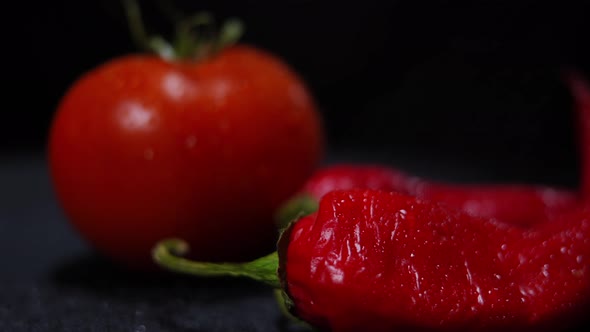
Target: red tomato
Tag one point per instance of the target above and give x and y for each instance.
(142, 149)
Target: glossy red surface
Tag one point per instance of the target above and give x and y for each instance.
(142, 149)
(517, 204)
(377, 261)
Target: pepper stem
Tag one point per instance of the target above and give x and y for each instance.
(167, 254)
(295, 207)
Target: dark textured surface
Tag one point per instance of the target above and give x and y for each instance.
(51, 281)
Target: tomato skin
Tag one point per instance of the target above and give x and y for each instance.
(141, 149)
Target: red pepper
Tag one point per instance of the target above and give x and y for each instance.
(372, 260)
(384, 251)
(518, 204)
(348, 176)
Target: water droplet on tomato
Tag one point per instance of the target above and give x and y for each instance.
(224, 126)
(191, 141)
(135, 116)
(177, 86)
(298, 95)
(148, 154)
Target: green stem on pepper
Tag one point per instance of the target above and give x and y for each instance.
(188, 44)
(167, 254)
(298, 206)
(269, 269)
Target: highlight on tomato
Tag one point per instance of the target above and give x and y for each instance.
(200, 138)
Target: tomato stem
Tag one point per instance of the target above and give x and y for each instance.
(231, 31)
(167, 254)
(135, 23)
(196, 36)
(139, 34)
(188, 34)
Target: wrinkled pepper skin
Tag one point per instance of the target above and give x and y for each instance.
(371, 260)
(517, 204)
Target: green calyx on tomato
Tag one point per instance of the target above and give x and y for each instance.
(196, 36)
(143, 148)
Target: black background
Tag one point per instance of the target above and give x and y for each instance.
(463, 90)
(475, 82)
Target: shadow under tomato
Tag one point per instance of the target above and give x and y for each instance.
(174, 302)
(94, 273)
(171, 301)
